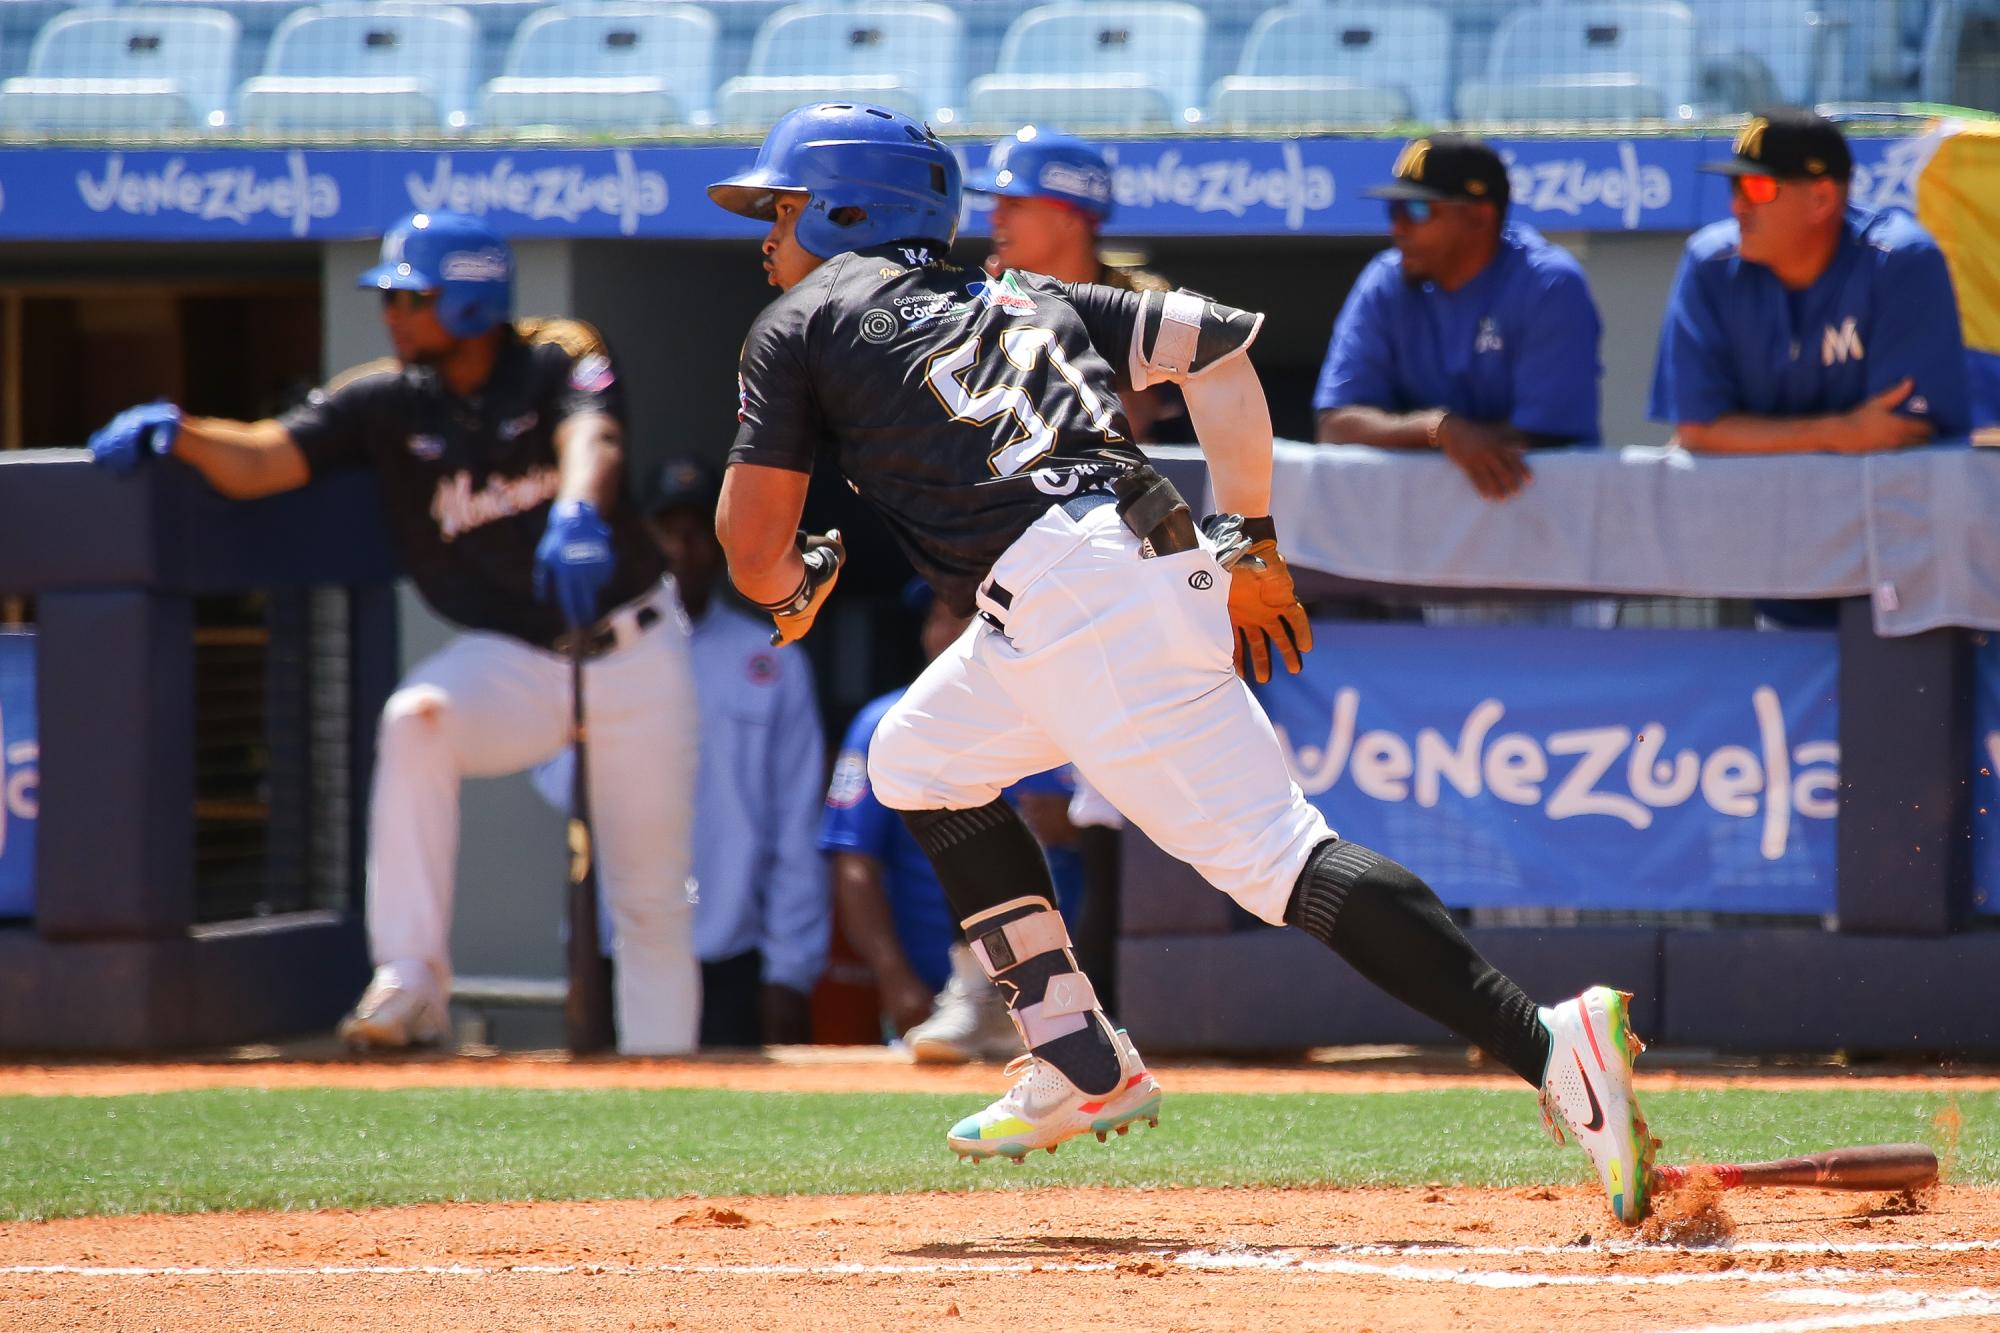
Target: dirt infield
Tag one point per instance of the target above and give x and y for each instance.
(1069, 1259)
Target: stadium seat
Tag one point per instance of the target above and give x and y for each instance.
(1961, 54)
(20, 22)
(615, 66)
(256, 21)
(1345, 65)
(1098, 65)
(1587, 62)
(498, 21)
(897, 53)
(125, 70)
(361, 68)
(1764, 52)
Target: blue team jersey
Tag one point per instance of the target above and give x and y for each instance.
(1517, 344)
(1735, 340)
(855, 821)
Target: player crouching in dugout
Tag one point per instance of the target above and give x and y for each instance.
(979, 415)
(498, 448)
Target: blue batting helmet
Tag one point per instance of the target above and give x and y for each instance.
(846, 155)
(463, 260)
(1035, 163)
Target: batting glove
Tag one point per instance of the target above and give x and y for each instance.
(823, 557)
(573, 560)
(1264, 608)
(134, 435)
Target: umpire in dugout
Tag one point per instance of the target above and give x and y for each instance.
(498, 445)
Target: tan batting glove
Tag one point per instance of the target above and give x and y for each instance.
(1263, 606)
(793, 617)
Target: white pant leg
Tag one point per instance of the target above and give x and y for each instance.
(642, 717)
(481, 706)
(1125, 665)
(955, 738)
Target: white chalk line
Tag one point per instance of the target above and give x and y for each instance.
(1870, 1309)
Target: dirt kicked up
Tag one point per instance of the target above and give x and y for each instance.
(1783, 1261)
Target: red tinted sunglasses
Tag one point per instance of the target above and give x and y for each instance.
(1755, 189)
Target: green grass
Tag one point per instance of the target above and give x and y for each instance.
(328, 1148)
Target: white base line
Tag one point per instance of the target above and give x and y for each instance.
(1888, 1307)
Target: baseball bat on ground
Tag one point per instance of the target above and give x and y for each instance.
(1888, 1166)
(587, 1006)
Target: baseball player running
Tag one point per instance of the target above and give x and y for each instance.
(499, 449)
(980, 416)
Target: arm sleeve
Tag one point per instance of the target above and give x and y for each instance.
(1918, 335)
(798, 901)
(777, 416)
(1359, 370)
(1109, 315)
(331, 428)
(1691, 373)
(1557, 374)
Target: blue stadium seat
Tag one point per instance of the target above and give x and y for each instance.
(20, 22)
(614, 66)
(1338, 65)
(896, 53)
(498, 21)
(1097, 65)
(124, 70)
(1764, 52)
(1587, 62)
(256, 21)
(359, 68)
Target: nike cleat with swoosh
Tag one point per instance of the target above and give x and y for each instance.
(1587, 1088)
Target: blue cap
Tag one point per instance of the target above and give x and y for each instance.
(1035, 163)
(466, 262)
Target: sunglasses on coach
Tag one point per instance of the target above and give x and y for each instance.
(1418, 211)
(409, 302)
(1754, 189)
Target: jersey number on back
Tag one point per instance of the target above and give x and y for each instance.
(1033, 437)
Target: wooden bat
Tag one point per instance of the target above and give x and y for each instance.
(1887, 1166)
(587, 1006)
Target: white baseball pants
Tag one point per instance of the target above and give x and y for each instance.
(1122, 666)
(486, 705)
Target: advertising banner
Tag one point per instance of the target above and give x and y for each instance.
(1608, 770)
(20, 768)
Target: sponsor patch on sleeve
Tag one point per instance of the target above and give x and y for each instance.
(850, 780)
(591, 374)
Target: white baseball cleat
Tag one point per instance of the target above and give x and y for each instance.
(970, 1022)
(403, 1006)
(1044, 1108)
(1588, 1087)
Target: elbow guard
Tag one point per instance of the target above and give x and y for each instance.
(1179, 335)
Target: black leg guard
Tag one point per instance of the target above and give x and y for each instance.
(1392, 929)
(983, 857)
(995, 876)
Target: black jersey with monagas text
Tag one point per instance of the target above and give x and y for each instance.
(467, 482)
(960, 405)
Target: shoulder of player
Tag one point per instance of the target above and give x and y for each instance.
(1897, 239)
(1132, 279)
(368, 377)
(1540, 256)
(793, 310)
(862, 730)
(1716, 244)
(573, 338)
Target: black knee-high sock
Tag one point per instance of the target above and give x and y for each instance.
(986, 859)
(1391, 927)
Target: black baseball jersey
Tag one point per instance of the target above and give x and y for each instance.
(961, 406)
(468, 482)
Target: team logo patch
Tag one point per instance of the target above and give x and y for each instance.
(762, 669)
(1201, 580)
(430, 448)
(878, 326)
(1075, 179)
(890, 271)
(475, 266)
(850, 781)
(515, 427)
(592, 374)
(1003, 294)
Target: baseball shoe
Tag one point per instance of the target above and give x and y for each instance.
(1044, 1108)
(970, 1022)
(403, 1006)
(1588, 1087)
